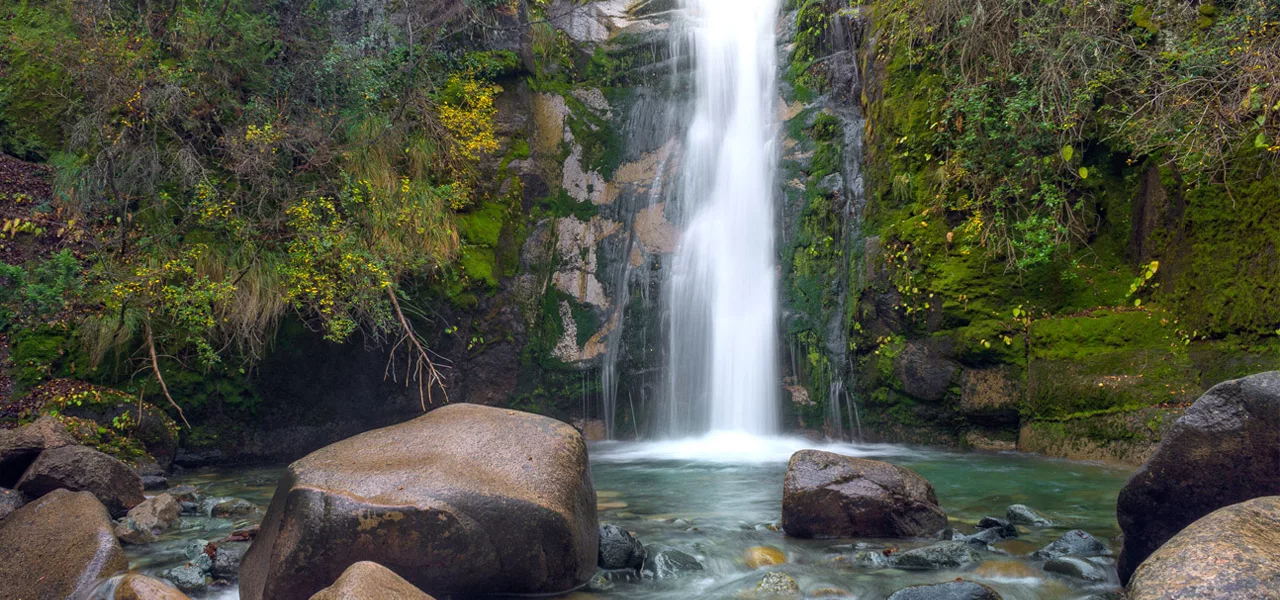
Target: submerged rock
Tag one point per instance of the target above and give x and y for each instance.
(146, 521)
(1022, 514)
(57, 546)
(942, 555)
(1230, 553)
(619, 550)
(1073, 543)
(665, 562)
(830, 495)
(370, 581)
(467, 499)
(763, 556)
(78, 468)
(227, 557)
(1220, 452)
(775, 585)
(232, 508)
(135, 586)
(19, 448)
(952, 590)
(1084, 569)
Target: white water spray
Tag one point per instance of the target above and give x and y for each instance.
(722, 369)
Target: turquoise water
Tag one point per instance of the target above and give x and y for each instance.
(714, 498)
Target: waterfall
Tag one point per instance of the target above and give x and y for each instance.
(722, 293)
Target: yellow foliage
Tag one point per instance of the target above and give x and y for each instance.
(468, 115)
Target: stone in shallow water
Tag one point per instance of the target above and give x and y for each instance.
(188, 578)
(232, 508)
(1233, 552)
(57, 546)
(1079, 568)
(619, 550)
(466, 500)
(942, 555)
(830, 495)
(1073, 543)
(952, 590)
(1005, 527)
(763, 556)
(1022, 514)
(777, 585)
(665, 562)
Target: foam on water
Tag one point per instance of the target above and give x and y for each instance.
(737, 447)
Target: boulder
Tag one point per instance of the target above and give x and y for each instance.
(942, 555)
(10, 500)
(466, 500)
(19, 448)
(1085, 569)
(146, 521)
(1222, 451)
(619, 550)
(1022, 514)
(830, 495)
(78, 468)
(1072, 543)
(951, 590)
(664, 562)
(135, 586)
(1233, 552)
(370, 581)
(58, 546)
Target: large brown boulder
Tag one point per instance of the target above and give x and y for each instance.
(370, 581)
(1224, 450)
(19, 448)
(466, 500)
(78, 468)
(830, 495)
(140, 587)
(1234, 552)
(57, 546)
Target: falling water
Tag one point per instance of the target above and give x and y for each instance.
(722, 364)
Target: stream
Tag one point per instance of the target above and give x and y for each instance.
(717, 496)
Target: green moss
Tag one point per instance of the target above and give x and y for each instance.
(479, 263)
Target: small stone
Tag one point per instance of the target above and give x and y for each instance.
(1072, 543)
(231, 508)
(1079, 568)
(184, 493)
(189, 578)
(952, 590)
(368, 581)
(195, 548)
(227, 558)
(983, 539)
(154, 482)
(135, 586)
(1006, 528)
(1007, 569)
(828, 592)
(778, 584)
(668, 563)
(1022, 514)
(942, 555)
(763, 556)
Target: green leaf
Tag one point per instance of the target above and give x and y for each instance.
(1084, 173)
(1067, 153)
(1260, 141)
(1262, 120)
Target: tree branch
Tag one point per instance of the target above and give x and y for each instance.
(155, 366)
